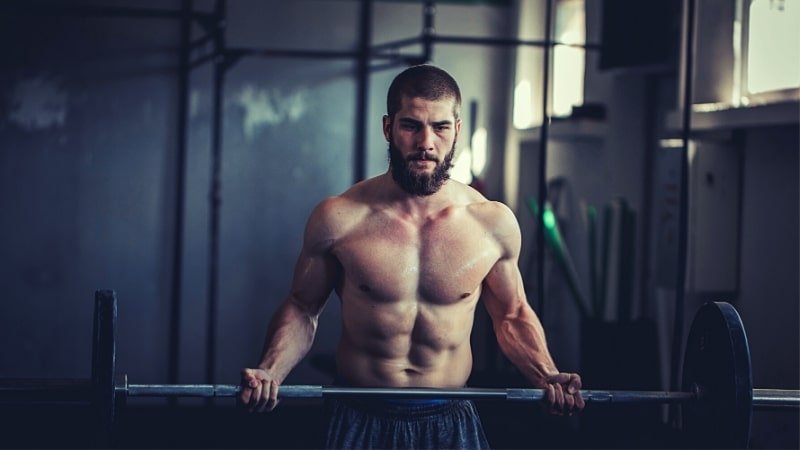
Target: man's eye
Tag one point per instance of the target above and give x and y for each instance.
(408, 126)
(442, 127)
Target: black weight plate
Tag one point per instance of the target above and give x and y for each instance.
(717, 366)
(103, 363)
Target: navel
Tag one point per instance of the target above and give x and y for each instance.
(465, 295)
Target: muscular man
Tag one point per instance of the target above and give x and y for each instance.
(410, 253)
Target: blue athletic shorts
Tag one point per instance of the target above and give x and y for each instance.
(404, 424)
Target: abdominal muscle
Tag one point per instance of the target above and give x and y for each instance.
(411, 345)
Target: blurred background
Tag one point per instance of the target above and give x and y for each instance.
(172, 150)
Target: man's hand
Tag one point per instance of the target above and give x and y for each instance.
(259, 390)
(563, 393)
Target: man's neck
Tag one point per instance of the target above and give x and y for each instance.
(416, 205)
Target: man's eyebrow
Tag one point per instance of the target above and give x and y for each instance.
(410, 121)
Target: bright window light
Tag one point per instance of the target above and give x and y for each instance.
(461, 168)
(479, 151)
(568, 62)
(471, 161)
(773, 46)
(523, 105)
(567, 69)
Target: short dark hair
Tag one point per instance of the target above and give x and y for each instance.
(424, 81)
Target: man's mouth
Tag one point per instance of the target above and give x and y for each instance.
(422, 157)
(421, 163)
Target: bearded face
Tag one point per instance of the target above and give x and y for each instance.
(416, 182)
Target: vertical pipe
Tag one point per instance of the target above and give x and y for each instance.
(473, 121)
(428, 29)
(543, 132)
(683, 231)
(173, 354)
(215, 197)
(362, 100)
(650, 124)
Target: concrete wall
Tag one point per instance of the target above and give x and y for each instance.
(88, 162)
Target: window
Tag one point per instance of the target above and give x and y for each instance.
(568, 60)
(471, 160)
(772, 47)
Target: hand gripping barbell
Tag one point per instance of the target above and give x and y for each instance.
(716, 401)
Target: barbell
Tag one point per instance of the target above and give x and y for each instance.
(716, 401)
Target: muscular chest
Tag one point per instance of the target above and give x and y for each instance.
(442, 261)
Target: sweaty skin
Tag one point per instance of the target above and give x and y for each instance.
(409, 271)
(411, 284)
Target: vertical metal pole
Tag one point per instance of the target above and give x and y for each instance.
(683, 230)
(428, 29)
(362, 100)
(473, 121)
(543, 136)
(650, 98)
(173, 354)
(215, 197)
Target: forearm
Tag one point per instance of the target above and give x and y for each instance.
(521, 338)
(289, 338)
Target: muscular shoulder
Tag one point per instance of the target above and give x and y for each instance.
(337, 215)
(331, 219)
(499, 221)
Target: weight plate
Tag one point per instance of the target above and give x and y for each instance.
(716, 365)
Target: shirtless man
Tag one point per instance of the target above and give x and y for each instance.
(409, 253)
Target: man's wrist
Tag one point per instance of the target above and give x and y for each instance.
(271, 370)
(542, 374)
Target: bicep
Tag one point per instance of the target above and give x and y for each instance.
(313, 280)
(504, 292)
(316, 268)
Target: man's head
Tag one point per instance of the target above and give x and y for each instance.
(424, 81)
(421, 127)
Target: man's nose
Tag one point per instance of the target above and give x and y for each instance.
(426, 138)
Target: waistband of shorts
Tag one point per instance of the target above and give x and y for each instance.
(392, 403)
(384, 408)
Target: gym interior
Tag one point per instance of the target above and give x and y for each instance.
(172, 151)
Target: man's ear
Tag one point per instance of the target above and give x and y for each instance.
(387, 128)
(458, 127)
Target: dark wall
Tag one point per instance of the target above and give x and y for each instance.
(89, 161)
(88, 144)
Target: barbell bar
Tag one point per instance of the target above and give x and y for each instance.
(79, 391)
(717, 396)
(762, 398)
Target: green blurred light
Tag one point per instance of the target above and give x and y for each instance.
(549, 219)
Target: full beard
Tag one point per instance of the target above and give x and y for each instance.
(415, 183)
